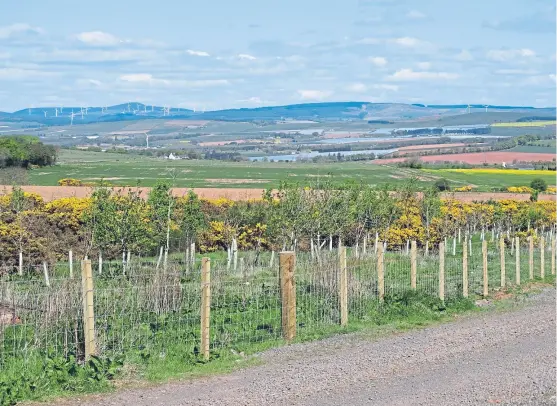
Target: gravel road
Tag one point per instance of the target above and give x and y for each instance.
(497, 357)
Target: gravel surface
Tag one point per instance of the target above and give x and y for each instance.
(505, 358)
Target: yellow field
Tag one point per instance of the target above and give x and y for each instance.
(525, 124)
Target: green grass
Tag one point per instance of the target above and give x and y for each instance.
(487, 181)
(148, 322)
(129, 169)
(537, 149)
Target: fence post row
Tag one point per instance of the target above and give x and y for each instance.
(343, 274)
(88, 310)
(442, 271)
(381, 273)
(485, 273)
(205, 306)
(287, 261)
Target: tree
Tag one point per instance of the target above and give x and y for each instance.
(192, 220)
(160, 203)
(442, 185)
(539, 184)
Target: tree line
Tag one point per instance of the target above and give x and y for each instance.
(113, 222)
(24, 151)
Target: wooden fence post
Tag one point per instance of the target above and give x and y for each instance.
(531, 257)
(502, 253)
(287, 260)
(542, 257)
(343, 288)
(485, 274)
(413, 265)
(381, 272)
(442, 271)
(46, 278)
(517, 259)
(205, 306)
(465, 268)
(553, 256)
(70, 255)
(88, 310)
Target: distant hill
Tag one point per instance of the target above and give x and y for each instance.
(330, 111)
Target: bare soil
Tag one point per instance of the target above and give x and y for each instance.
(49, 193)
(478, 158)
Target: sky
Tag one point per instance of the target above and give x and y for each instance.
(221, 54)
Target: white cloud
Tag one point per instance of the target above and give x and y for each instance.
(415, 15)
(503, 55)
(314, 94)
(370, 41)
(99, 38)
(409, 42)
(19, 29)
(147, 78)
(411, 75)
(356, 88)
(384, 86)
(464, 55)
(424, 65)
(247, 57)
(378, 60)
(19, 73)
(516, 72)
(197, 53)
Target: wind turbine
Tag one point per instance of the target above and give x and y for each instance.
(486, 106)
(147, 138)
(86, 110)
(71, 117)
(81, 113)
(29, 110)
(44, 111)
(56, 111)
(128, 107)
(469, 109)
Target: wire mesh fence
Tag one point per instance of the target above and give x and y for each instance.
(150, 309)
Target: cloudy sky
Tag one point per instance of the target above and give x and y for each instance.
(245, 53)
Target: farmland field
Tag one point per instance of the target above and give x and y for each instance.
(525, 124)
(117, 169)
(476, 158)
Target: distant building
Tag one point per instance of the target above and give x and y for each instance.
(172, 157)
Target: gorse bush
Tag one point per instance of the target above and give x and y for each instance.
(111, 221)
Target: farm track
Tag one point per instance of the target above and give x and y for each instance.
(49, 193)
(497, 357)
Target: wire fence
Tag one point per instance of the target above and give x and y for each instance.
(144, 309)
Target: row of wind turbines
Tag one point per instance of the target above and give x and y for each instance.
(468, 109)
(84, 111)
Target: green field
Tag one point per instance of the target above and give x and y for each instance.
(127, 169)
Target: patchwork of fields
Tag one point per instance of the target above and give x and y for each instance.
(91, 167)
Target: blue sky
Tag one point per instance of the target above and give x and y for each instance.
(246, 53)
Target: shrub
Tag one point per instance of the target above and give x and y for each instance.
(539, 184)
(442, 185)
(70, 182)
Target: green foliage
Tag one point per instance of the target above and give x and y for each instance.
(442, 185)
(25, 151)
(539, 184)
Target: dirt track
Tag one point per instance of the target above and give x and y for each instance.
(49, 193)
(505, 358)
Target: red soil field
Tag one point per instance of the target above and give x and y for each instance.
(496, 157)
(49, 193)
